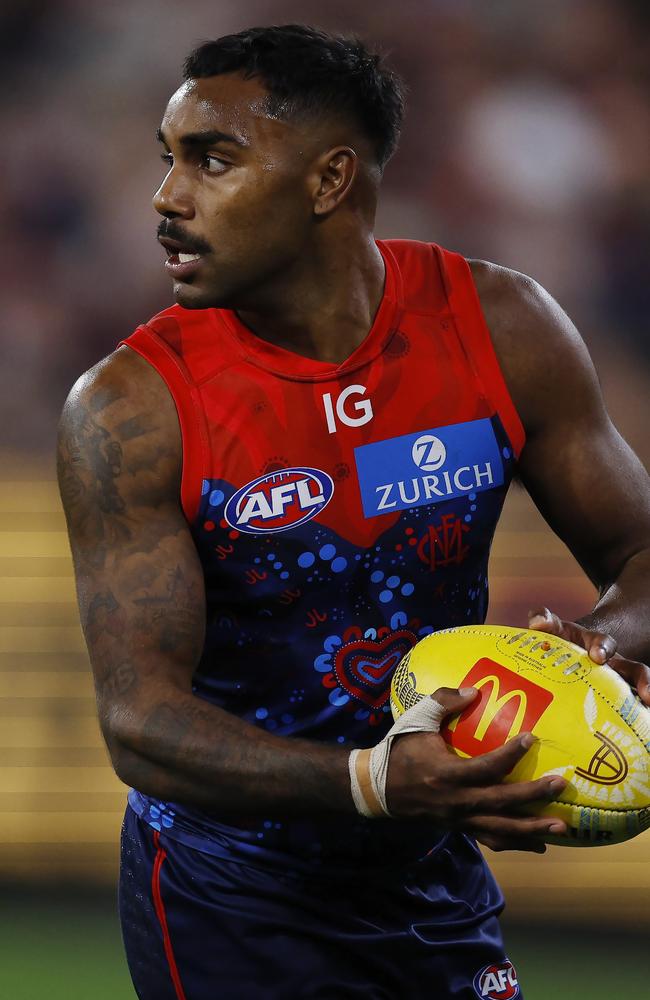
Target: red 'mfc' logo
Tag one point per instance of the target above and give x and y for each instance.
(497, 982)
(507, 705)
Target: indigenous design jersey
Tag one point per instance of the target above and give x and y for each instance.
(340, 514)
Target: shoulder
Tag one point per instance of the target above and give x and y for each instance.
(119, 387)
(509, 297)
(543, 357)
(120, 413)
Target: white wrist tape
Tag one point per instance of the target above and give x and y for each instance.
(369, 768)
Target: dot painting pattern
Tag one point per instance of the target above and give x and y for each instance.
(328, 558)
(351, 613)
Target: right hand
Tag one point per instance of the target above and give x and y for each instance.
(427, 780)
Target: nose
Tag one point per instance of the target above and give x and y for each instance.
(173, 197)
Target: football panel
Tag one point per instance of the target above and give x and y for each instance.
(590, 827)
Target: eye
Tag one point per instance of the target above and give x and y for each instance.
(167, 158)
(213, 164)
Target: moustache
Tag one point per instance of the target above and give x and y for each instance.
(171, 231)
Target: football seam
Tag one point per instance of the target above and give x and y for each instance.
(504, 635)
(599, 809)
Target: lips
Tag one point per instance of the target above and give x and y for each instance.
(182, 260)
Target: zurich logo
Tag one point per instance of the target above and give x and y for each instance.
(428, 452)
(429, 465)
(279, 500)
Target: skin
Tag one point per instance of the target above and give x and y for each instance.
(284, 218)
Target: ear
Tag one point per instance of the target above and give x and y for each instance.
(336, 172)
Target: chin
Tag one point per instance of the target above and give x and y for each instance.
(189, 297)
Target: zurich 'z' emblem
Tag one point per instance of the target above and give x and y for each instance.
(279, 500)
(428, 452)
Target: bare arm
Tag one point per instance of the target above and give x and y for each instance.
(142, 604)
(583, 477)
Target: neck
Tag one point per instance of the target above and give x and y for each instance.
(326, 305)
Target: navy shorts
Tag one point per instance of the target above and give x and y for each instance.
(199, 927)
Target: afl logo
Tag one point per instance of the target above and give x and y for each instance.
(279, 500)
(428, 453)
(497, 982)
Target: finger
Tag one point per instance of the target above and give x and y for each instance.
(490, 768)
(636, 674)
(599, 645)
(455, 700)
(543, 620)
(506, 798)
(519, 827)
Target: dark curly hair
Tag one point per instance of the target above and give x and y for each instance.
(308, 72)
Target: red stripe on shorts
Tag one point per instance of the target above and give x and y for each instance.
(161, 854)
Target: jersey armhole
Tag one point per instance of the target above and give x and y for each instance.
(476, 341)
(186, 399)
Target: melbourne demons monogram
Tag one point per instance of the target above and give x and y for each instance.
(442, 544)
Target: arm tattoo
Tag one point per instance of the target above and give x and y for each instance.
(121, 680)
(175, 616)
(89, 466)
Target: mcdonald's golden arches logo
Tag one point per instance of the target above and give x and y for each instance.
(508, 704)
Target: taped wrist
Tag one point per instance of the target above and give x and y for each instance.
(369, 768)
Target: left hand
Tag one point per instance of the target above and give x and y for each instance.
(600, 646)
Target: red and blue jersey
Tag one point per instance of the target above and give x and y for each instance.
(341, 512)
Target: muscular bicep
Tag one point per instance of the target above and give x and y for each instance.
(139, 581)
(592, 490)
(582, 475)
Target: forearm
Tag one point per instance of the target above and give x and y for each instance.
(623, 609)
(183, 749)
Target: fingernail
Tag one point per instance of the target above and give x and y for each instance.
(527, 740)
(556, 785)
(466, 691)
(556, 828)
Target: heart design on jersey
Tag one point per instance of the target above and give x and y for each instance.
(364, 667)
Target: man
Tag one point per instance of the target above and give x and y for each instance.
(256, 485)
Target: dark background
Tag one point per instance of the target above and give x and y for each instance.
(527, 143)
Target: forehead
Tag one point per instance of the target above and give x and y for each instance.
(227, 102)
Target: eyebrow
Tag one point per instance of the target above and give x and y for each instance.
(206, 138)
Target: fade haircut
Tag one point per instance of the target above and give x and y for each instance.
(310, 73)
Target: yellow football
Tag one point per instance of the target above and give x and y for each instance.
(590, 726)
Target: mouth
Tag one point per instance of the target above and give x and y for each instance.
(182, 261)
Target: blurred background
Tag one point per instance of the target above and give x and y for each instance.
(527, 142)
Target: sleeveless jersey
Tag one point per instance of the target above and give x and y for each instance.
(341, 512)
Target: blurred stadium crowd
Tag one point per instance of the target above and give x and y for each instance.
(526, 142)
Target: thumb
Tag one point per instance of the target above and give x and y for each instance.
(428, 714)
(454, 700)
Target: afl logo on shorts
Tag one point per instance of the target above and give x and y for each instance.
(497, 982)
(279, 500)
